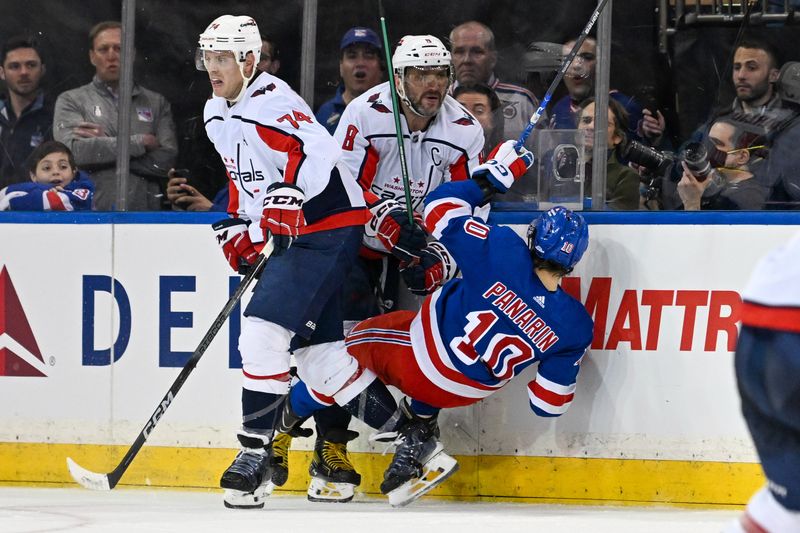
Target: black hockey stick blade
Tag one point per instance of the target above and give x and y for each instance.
(93, 480)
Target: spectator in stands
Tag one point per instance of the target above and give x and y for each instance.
(474, 59)
(485, 106)
(26, 116)
(579, 81)
(86, 121)
(270, 55)
(185, 197)
(622, 183)
(756, 67)
(55, 183)
(360, 68)
(730, 185)
(756, 71)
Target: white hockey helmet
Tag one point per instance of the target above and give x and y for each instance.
(237, 34)
(419, 51)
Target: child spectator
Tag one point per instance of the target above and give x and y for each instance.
(56, 183)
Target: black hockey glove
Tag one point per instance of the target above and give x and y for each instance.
(434, 268)
(402, 238)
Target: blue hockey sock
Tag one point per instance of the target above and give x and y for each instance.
(423, 409)
(303, 403)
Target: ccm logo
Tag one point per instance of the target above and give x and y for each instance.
(283, 200)
(159, 412)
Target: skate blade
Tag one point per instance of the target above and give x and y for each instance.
(236, 499)
(440, 467)
(320, 490)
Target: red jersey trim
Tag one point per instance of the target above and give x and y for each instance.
(355, 217)
(283, 376)
(291, 145)
(459, 170)
(777, 318)
(55, 201)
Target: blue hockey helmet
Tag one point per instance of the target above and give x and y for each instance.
(559, 235)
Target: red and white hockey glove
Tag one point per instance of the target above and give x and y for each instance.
(434, 269)
(232, 237)
(282, 217)
(390, 224)
(504, 166)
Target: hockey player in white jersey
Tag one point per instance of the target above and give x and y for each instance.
(288, 186)
(767, 366)
(443, 142)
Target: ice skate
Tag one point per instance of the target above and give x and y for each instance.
(247, 480)
(333, 477)
(419, 464)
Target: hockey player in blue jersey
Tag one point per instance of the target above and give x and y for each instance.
(56, 183)
(476, 332)
(767, 365)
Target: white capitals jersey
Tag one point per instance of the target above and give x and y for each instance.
(448, 149)
(271, 135)
(775, 282)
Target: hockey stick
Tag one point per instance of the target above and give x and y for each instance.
(401, 146)
(95, 481)
(560, 75)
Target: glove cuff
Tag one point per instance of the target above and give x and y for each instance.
(284, 196)
(379, 211)
(449, 266)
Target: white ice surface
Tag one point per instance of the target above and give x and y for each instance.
(28, 510)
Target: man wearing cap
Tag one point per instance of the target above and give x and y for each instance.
(360, 68)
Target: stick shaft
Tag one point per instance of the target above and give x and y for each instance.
(396, 110)
(115, 475)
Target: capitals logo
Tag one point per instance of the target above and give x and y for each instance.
(376, 104)
(466, 120)
(263, 90)
(19, 352)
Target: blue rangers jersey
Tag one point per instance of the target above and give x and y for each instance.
(269, 136)
(77, 195)
(476, 333)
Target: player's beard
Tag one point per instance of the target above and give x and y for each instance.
(426, 108)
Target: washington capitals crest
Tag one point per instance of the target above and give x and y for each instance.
(376, 104)
(466, 120)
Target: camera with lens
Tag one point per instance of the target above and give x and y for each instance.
(700, 160)
(655, 162)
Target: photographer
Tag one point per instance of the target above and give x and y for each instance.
(723, 180)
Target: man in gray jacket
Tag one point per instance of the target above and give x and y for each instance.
(86, 121)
